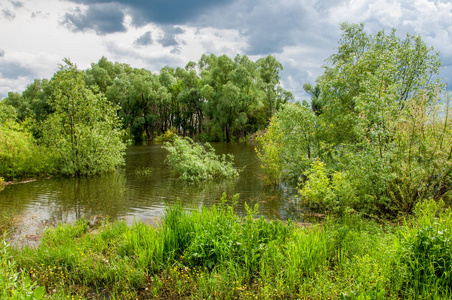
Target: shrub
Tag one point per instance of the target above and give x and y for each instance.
(321, 193)
(168, 136)
(288, 145)
(194, 162)
(20, 156)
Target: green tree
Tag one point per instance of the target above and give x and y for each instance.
(288, 145)
(382, 128)
(370, 80)
(103, 73)
(83, 133)
(231, 90)
(275, 95)
(17, 101)
(143, 102)
(373, 90)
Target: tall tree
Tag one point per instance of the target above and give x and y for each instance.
(143, 101)
(370, 80)
(231, 90)
(275, 95)
(83, 132)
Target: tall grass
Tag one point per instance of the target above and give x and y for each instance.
(213, 253)
(15, 284)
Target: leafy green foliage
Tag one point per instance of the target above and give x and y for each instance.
(168, 136)
(15, 284)
(216, 99)
(212, 251)
(275, 95)
(383, 122)
(83, 133)
(288, 145)
(380, 128)
(195, 162)
(20, 156)
(236, 89)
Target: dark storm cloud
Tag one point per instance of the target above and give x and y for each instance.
(169, 36)
(161, 12)
(12, 70)
(144, 40)
(103, 18)
(269, 26)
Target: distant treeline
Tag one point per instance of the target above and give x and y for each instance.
(216, 99)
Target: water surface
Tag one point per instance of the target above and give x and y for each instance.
(127, 195)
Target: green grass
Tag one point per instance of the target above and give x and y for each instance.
(212, 253)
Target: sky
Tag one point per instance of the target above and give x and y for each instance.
(36, 35)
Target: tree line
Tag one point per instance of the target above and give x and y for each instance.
(78, 122)
(216, 99)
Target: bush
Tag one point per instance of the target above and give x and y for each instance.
(20, 156)
(320, 193)
(194, 162)
(168, 136)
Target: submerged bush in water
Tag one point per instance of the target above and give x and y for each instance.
(143, 171)
(168, 136)
(195, 162)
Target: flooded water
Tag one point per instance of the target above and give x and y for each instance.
(127, 195)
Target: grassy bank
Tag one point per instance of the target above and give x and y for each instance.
(215, 254)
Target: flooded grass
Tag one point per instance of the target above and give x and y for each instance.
(213, 253)
(7, 223)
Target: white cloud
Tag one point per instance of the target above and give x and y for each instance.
(7, 85)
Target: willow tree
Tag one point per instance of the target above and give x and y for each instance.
(83, 133)
(231, 90)
(383, 121)
(275, 95)
(382, 126)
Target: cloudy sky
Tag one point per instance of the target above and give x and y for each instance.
(35, 35)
